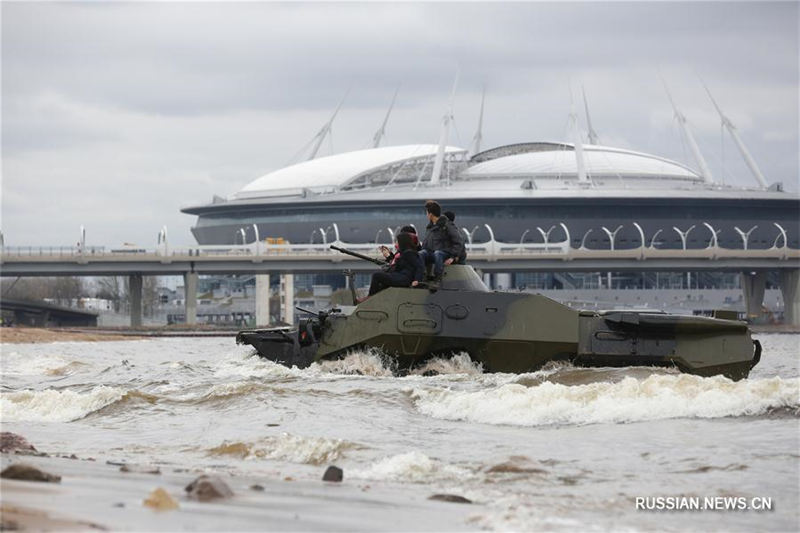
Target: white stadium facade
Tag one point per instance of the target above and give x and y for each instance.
(515, 189)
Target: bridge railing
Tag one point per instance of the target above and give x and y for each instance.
(52, 250)
(487, 251)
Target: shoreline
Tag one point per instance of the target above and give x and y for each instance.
(98, 495)
(32, 335)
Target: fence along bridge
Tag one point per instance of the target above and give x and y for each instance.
(261, 258)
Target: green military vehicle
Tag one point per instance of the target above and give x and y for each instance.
(508, 332)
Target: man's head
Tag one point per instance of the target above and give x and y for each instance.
(408, 229)
(433, 209)
(450, 215)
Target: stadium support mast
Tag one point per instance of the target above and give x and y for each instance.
(476, 140)
(751, 163)
(381, 133)
(326, 129)
(592, 134)
(698, 157)
(443, 137)
(573, 120)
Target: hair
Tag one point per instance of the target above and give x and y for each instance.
(450, 215)
(405, 241)
(433, 208)
(408, 229)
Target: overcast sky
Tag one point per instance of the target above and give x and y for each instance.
(116, 115)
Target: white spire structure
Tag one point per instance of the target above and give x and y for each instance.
(698, 157)
(751, 163)
(326, 129)
(381, 133)
(443, 137)
(573, 121)
(476, 140)
(592, 134)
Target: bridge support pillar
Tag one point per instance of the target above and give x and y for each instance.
(287, 298)
(135, 295)
(753, 286)
(262, 299)
(790, 290)
(190, 297)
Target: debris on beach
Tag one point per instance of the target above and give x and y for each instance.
(452, 498)
(256, 487)
(333, 474)
(160, 500)
(11, 442)
(206, 488)
(23, 472)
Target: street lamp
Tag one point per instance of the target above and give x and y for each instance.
(713, 242)
(612, 235)
(684, 235)
(745, 235)
(545, 234)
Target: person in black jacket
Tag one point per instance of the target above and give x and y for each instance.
(442, 245)
(406, 271)
(462, 258)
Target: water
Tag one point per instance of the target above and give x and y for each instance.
(559, 449)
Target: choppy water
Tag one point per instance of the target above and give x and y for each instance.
(560, 449)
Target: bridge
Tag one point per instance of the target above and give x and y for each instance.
(262, 258)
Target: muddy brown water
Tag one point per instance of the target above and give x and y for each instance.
(560, 449)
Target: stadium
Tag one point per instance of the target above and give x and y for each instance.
(579, 193)
(513, 189)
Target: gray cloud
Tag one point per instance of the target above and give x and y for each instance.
(115, 115)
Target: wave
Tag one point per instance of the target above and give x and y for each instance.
(414, 466)
(52, 405)
(361, 363)
(287, 447)
(23, 364)
(254, 367)
(373, 362)
(629, 400)
(458, 364)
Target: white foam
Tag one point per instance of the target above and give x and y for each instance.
(413, 466)
(245, 366)
(366, 363)
(288, 447)
(630, 400)
(24, 364)
(51, 405)
(457, 364)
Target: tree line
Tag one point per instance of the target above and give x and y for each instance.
(67, 290)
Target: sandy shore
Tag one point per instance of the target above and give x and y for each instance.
(41, 335)
(93, 495)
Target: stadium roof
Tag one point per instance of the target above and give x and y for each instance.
(560, 160)
(338, 170)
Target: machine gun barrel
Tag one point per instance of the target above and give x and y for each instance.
(358, 255)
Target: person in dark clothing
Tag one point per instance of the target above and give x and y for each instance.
(462, 259)
(406, 271)
(443, 244)
(389, 256)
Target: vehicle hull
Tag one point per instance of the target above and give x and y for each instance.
(510, 332)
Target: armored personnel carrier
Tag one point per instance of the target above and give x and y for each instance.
(508, 332)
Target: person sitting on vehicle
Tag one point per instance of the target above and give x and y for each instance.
(462, 259)
(391, 257)
(442, 245)
(406, 271)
